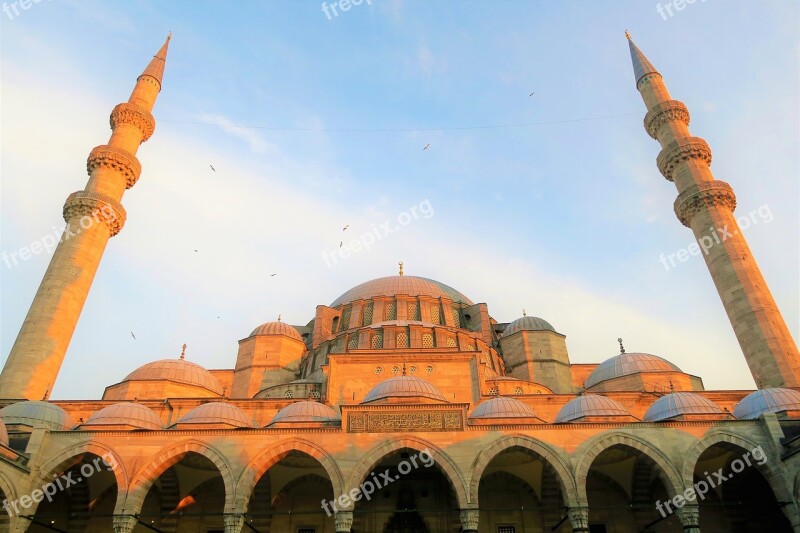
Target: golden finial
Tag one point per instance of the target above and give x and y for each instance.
(279, 318)
(627, 35)
(169, 36)
(404, 368)
(621, 347)
(524, 313)
(401, 267)
(183, 351)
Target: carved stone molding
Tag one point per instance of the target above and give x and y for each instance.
(682, 150)
(708, 194)
(469, 520)
(96, 207)
(689, 516)
(579, 518)
(343, 521)
(664, 112)
(117, 159)
(233, 523)
(135, 115)
(380, 422)
(124, 523)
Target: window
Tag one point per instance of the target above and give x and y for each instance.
(493, 391)
(288, 394)
(378, 369)
(517, 390)
(367, 315)
(402, 339)
(413, 311)
(506, 529)
(307, 530)
(315, 394)
(456, 318)
(429, 369)
(451, 342)
(346, 319)
(427, 340)
(352, 342)
(335, 324)
(436, 316)
(391, 311)
(395, 369)
(377, 341)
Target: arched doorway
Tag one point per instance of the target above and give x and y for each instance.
(520, 491)
(187, 496)
(408, 493)
(624, 487)
(736, 496)
(289, 496)
(83, 492)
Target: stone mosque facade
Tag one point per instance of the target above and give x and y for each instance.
(402, 406)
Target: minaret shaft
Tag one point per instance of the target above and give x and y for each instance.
(706, 205)
(93, 216)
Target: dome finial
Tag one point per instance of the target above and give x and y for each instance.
(524, 313)
(279, 317)
(183, 351)
(404, 368)
(621, 347)
(401, 267)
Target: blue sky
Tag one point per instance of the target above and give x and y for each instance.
(566, 219)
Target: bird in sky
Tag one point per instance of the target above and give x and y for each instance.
(195, 250)
(532, 94)
(212, 168)
(345, 228)
(426, 147)
(341, 243)
(132, 335)
(273, 275)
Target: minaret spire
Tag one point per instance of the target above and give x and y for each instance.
(93, 216)
(705, 205)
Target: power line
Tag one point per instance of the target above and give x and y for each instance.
(401, 130)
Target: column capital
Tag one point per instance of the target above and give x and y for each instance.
(124, 523)
(579, 518)
(233, 523)
(706, 194)
(343, 521)
(469, 520)
(689, 516)
(680, 150)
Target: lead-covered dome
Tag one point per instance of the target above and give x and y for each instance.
(37, 413)
(628, 363)
(277, 328)
(590, 405)
(503, 407)
(403, 387)
(306, 411)
(679, 404)
(217, 413)
(773, 400)
(408, 285)
(528, 323)
(129, 414)
(177, 370)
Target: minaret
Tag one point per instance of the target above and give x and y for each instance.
(93, 215)
(705, 205)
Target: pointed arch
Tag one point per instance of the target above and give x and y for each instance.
(441, 459)
(105, 452)
(554, 459)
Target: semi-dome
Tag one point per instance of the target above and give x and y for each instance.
(125, 414)
(177, 370)
(403, 387)
(37, 413)
(392, 285)
(628, 363)
(219, 413)
(3, 433)
(502, 407)
(590, 405)
(681, 403)
(528, 323)
(277, 328)
(306, 411)
(773, 400)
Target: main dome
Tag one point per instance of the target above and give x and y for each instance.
(392, 285)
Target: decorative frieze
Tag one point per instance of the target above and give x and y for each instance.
(398, 422)
(136, 116)
(664, 112)
(86, 208)
(707, 194)
(682, 150)
(117, 159)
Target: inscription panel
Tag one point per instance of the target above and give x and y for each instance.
(394, 422)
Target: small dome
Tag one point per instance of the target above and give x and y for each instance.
(277, 328)
(36, 413)
(3, 433)
(403, 387)
(125, 414)
(502, 407)
(306, 412)
(590, 405)
(527, 323)
(681, 403)
(217, 413)
(628, 363)
(178, 370)
(772, 400)
(392, 285)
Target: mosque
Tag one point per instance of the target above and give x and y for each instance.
(402, 406)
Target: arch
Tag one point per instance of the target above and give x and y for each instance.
(8, 489)
(167, 457)
(97, 448)
(262, 462)
(773, 476)
(553, 458)
(445, 463)
(667, 471)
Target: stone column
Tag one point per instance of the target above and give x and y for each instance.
(343, 521)
(579, 518)
(469, 520)
(689, 516)
(124, 523)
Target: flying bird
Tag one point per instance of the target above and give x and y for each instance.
(272, 275)
(531, 94)
(345, 228)
(426, 147)
(341, 243)
(195, 250)
(212, 168)
(132, 335)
